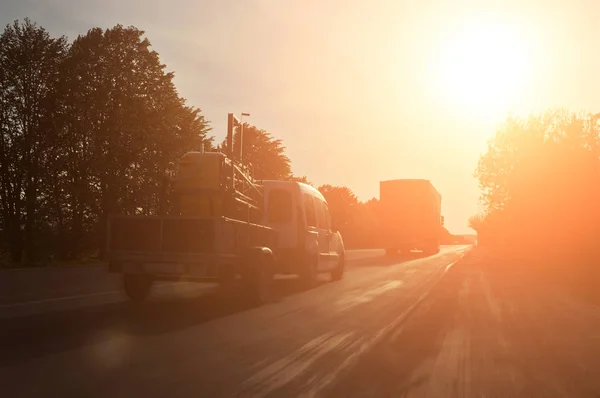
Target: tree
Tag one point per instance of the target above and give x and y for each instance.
(302, 179)
(476, 222)
(341, 202)
(364, 230)
(537, 182)
(128, 129)
(30, 65)
(87, 130)
(263, 152)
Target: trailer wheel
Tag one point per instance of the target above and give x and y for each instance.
(137, 287)
(258, 275)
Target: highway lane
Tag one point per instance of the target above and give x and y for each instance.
(193, 345)
(26, 292)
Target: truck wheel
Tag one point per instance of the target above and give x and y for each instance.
(308, 272)
(137, 287)
(258, 277)
(338, 272)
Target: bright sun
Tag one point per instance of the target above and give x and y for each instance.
(484, 67)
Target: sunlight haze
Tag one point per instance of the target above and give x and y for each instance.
(361, 93)
(485, 67)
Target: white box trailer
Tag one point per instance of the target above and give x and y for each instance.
(411, 215)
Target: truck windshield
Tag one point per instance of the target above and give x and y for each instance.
(279, 207)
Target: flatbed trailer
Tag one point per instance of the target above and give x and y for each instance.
(213, 235)
(173, 248)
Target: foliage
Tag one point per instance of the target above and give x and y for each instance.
(342, 202)
(538, 180)
(476, 222)
(263, 152)
(87, 129)
(30, 66)
(302, 179)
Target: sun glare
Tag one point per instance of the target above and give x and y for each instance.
(483, 68)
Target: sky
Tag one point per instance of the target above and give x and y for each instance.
(358, 91)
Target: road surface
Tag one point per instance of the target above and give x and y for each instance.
(29, 291)
(186, 343)
(463, 323)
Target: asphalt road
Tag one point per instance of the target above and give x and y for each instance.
(189, 343)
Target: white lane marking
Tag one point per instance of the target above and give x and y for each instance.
(83, 296)
(55, 299)
(379, 336)
(67, 268)
(283, 371)
(369, 295)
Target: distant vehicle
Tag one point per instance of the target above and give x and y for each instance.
(411, 216)
(308, 242)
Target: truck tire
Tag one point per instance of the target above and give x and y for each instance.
(257, 275)
(309, 271)
(137, 287)
(338, 273)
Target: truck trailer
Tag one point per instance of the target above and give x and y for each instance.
(410, 216)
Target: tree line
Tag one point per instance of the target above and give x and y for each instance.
(92, 127)
(540, 190)
(88, 128)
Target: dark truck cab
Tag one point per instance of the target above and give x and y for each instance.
(410, 216)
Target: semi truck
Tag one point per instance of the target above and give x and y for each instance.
(410, 216)
(226, 228)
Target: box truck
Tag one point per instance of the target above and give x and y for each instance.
(410, 216)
